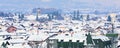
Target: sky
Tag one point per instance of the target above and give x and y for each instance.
(27, 5)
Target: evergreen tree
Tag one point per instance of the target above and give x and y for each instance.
(4, 45)
(74, 14)
(87, 18)
(77, 15)
(89, 39)
(81, 17)
(109, 19)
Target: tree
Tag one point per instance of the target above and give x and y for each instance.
(89, 39)
(70, 30)
(81, 17)
(109, 19)
(60, 31)
(4, 45)
(88, 18)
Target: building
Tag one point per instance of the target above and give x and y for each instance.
(79, 40)
(11, 29)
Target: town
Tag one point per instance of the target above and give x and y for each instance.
(53, 28)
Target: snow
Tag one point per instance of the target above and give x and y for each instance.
(52, 26)
(6, 33)
(118, 42)
(31, 17)
(103, 38)
(15, 46)
(39, 37)
(73, 37)
(16, 41)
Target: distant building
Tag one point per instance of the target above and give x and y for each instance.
(52, 12)
(30, 17)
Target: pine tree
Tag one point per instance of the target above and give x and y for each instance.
(87, 18)
(109, 19)
(4, 45)
(89, 39)
(81, 17)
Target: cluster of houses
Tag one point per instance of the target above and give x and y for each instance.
(59, 33)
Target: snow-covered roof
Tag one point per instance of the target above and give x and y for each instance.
(39, 37)
(68, 36)
(31, 17)
(103, 38)
(43, 16)
(16, 41)
(78, 36)
(6, 33)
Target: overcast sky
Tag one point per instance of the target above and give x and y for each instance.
(13, 5)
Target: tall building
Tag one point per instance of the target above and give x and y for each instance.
(38, 14)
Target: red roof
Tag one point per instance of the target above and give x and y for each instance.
(11, 29)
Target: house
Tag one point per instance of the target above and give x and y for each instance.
(11, 29)
(79, 40)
